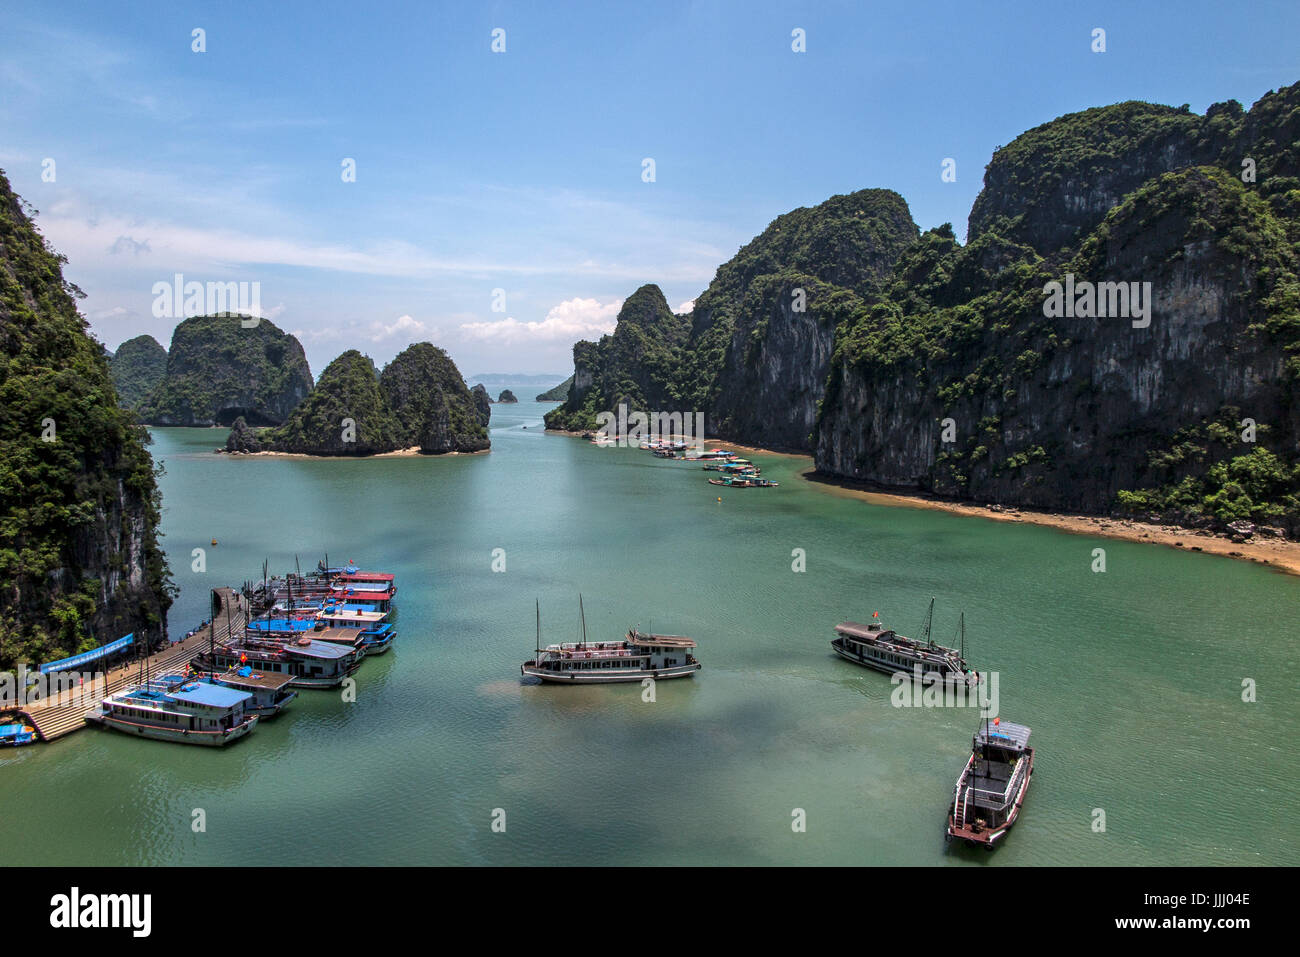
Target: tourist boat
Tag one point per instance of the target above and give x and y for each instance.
(369, 628)
(271, 692)
(310, 663)
(369, 640)
(355, 596)
(16, 735)
(712, 455)
(365, 581)
(992, 787)
(194, 712)
(881, 648)
(637, 657)
(743, 481)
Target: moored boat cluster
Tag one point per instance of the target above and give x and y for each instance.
(311, 631)
(734, 471)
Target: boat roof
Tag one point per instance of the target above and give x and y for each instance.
(369, 576)
(855, 630)
(635, 637)
(319, 649)
(367, 595)
(213, 696)
(254, 679)
(359, 613)
(339, 634)
(1004, 734)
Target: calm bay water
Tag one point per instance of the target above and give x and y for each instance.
(1131, 679)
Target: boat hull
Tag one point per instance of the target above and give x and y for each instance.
(885, 667)
(577, 677)
(211, 739)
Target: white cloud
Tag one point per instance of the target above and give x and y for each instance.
(686, 307)
(571, 320)
(404, 328)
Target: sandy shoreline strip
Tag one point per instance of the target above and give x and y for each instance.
(412, 452)
(1276, 553)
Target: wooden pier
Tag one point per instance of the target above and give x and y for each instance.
(229, 613)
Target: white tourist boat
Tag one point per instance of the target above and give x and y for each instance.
(636, 657)
(194, 712)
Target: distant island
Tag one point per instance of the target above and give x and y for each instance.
(517, 378)
(1120, 333)
(559, 393)
(506, 396)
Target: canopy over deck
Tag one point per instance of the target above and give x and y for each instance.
(209, 695)
(1013, 737)
(852, 629)
(635, 637)
(253, 679)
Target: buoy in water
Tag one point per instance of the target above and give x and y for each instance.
(214, 541)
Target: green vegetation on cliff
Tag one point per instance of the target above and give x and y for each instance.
(138, 368)
(433, 408)
(80, 562)
(345, 414)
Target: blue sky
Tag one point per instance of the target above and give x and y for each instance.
(521, 170)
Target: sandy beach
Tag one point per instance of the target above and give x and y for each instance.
(1278, 553)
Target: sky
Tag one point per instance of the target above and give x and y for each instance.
(500, 206)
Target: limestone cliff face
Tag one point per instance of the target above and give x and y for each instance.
(219, 370)
(772, 311)
(637, 364)
(1090, 413)
(80, 562)
(918, 363)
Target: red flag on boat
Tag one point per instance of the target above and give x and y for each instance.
(996, 722)
(875, 614)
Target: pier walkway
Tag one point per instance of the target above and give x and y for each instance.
(54, 720)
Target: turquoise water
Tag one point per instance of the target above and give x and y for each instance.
(1131, 679)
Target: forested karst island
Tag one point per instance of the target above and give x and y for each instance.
(911, 361)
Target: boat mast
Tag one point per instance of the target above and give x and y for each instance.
(537, 649)
(962, 625)
(929, 616)
(583, 615)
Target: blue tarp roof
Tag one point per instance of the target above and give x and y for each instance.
(67, 664)
(214, 696)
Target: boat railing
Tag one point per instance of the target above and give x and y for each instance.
(1005, 794)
